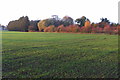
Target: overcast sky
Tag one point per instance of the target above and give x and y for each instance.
(41, 9)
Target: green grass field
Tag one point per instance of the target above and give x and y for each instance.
(59, 55)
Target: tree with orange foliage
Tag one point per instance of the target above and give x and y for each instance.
(50, 28)
(87, 23)
(61, 28)
(73, 28)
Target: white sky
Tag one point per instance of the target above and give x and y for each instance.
(41, 9)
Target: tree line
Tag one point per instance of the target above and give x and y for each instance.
(66, 24)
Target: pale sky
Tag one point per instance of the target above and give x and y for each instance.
(42, 9)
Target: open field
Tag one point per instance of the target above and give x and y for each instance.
(59, 55)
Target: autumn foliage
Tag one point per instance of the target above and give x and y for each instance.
(50, 29)
(87, 23)
(61, 28)
(66, 24)
(72, 28)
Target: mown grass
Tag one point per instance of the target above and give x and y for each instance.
(59, 55)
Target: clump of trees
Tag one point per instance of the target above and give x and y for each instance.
(66, 24)
(19, 25)
(23, 24)
(56, 21)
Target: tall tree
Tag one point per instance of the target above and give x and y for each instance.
(41, 25)
(67, 21)
(87, 23)
(81, 21)
(55, 20)
(55, 17)
(104, 22)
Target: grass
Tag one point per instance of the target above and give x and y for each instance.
(59, 55)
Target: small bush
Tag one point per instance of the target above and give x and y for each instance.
(61, 28)
(97, 30)
(50, 28)
(107, 29)
(72, 28)
(85, 29)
